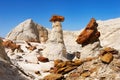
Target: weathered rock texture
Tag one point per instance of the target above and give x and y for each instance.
(43, 34)
(10, 44)
(97, 69)
(106, 54)
(89, 38)
(90, 34)
(7, 70)
(28, 31)
(110, 32)
(55, 49)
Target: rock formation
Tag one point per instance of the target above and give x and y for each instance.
(7, 70)
(90, 34)
(28, 31)
(10, 44)
(43, 34)
(89, 39)
(55, 49)
(105, 67)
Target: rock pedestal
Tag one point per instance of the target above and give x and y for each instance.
(55, 49)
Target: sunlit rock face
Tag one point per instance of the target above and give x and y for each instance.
(90, 34)
(43, 34)
(55, 47)
(28, 31)
(110, 32)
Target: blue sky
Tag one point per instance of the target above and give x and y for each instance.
(77, 13)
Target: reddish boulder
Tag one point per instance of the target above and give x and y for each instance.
(42, 59)
(90, 34)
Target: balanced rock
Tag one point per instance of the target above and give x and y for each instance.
(89, 39)
(55, 49)
(27, 31)
(90, 34)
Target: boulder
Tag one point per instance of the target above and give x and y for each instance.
(28, 31)
(90, 34)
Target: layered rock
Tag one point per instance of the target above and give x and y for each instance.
(97, 69)
(55, 49)
(28, 31)
(7, 70)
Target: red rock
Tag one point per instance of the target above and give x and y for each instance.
(42, 59)
(57, 18)
(10, 44)
(90, 34)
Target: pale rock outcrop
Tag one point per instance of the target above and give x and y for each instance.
(28, 31)
(43, 34)
(55, 49)
(7, 70)
(110, 32)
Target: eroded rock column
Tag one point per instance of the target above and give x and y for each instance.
(55, 48)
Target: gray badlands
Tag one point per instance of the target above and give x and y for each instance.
(33, 52)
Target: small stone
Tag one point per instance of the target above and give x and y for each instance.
(42, 59)
(85, 73)
(107, 58)
(37, 72)
(31, 48)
